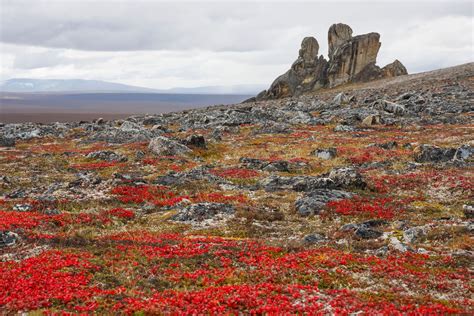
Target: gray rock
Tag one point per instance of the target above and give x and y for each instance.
(276, 165)
(390, 107)
(398, 245)
(413, 234)
(325, 153)
(7, 141)
(196, 141)
(371, 120)
(342, 99)
(315, 238)
(430, 153)
(344, 128)
(273, 128)
(365, 230)
(347, 178)
(8, 239)
(196, 174)
(464, 153)
(163, 146)
(468, 211)
(22, 207)
(314, 202)
(52, 211)
(107, 155)
(128, 126)
(367, 233)
(202, 211)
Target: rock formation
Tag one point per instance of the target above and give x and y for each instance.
(351, 59)
(306, 73)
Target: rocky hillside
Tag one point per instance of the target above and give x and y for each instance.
(354, 199)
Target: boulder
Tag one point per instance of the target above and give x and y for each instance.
(163, 146)
(430, 153)
(371, 120)
(365, 230)
(314, 202)
(315, 238)
(464, 153)
(394, 69)
(413, 234)
(196, 141)
(8, 239)
(390, 107)
(347, 177)
(7, 141)
(325, 153)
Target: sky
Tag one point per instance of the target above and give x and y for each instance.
(161, 45)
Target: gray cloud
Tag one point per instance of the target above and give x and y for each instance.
(167, 44)
(217, 26)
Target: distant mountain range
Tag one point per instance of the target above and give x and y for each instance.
(26, 85)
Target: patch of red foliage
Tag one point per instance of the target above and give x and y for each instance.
(120, 213)
(379, 207)
(235, 173)
(12, 220)
(213, 275)
(50, 278)
(452, 179)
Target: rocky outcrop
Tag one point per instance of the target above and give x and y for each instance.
(306, 73)
(351, 59)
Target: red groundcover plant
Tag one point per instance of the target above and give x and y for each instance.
(212, 275)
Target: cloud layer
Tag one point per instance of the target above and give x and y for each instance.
(168, 44)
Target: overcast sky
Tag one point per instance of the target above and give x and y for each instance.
(188, 44)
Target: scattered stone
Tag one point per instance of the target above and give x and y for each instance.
(273, 128)
(347, 177)
(196, 141)
(365, 230)
(413, 234)
(162, 146)
(7, 141)
(342, 99)
(344, 128)
(313, 239)
(390, 107)
(8, 239)
(367, 233)
(464, 153)
(314, 202)
(388, 145)
(398, 245)
(203, 211)
(468, 211)
(107, 155)
(371, 120)
(52, 212)
(325, 153)
(430, 153)
(22, 207)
